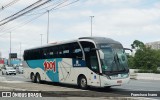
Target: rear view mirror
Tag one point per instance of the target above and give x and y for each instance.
(94, 49)
(127, 49)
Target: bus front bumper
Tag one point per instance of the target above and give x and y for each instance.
(113, 82)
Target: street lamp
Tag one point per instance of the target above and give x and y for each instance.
(48, 27)
(91, 24)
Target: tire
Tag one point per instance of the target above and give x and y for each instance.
(2, 73)
(107, 87)
(82, 82)
(33, 78)
(14, 74)
(38, 78)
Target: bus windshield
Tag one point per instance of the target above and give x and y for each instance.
(115, 60)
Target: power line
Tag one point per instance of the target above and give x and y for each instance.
(23, 13)
(45, 8)
(54, 8)
(20, 11)
(13, 28)
(9, 4)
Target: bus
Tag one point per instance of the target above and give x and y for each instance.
(87, 61)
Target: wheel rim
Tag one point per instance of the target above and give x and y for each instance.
(38, 80)
(32, 78)
(83, 82)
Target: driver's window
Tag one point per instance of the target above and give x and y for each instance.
(90, 56)
(94, 61)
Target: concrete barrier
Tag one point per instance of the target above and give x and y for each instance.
(133, 75)
(145, 76)
(148, 76)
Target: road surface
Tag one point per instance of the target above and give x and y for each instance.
(18, 82)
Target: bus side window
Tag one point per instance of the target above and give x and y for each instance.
(76, 51)
(66, 51)
(55, 52)
(60, 53)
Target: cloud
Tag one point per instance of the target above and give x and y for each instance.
(122, 20)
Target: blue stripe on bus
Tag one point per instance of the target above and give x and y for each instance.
(53, 76)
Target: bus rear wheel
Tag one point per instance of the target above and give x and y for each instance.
(38, 78)
(33, 78)
(82, 82)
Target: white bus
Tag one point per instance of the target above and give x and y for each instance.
(87, 61)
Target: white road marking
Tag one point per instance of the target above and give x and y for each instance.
(18, 77)
(2, 78)
(14, 81)
(19, 89)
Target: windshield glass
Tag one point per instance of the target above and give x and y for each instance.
(9, 68)
(115, 60)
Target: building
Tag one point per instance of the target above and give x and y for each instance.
(154, 45)
(0, 55)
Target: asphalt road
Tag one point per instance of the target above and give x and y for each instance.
(134, 85)
(20, 83)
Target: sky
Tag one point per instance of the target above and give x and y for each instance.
(121, 20)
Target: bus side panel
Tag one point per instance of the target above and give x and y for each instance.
(28, 71)
(48, 68)
(68, 73)
(92, 79)
(65, 71)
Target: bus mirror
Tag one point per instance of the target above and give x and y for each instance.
(127, 49)
(94, 49)
(101, 54)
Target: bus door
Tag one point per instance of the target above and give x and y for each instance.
(91, 59)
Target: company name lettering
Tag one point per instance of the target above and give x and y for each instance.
(49, 65)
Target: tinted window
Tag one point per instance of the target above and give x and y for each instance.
(90, 56)
(69, 50)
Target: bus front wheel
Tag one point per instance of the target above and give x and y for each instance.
(82, 82)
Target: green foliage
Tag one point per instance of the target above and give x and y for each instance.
(131, 62)
(137, 44)
(145, 59)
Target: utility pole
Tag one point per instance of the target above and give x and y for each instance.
(20, 50)
(10, 50)
(41, 39)
(91, 24)
(48, 27)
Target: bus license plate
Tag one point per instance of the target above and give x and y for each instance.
(119, 81)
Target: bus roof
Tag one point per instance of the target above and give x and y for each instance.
(51, 44)
(97, 40)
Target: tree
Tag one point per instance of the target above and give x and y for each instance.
(137, 44)
(131, 61)
(146, 58)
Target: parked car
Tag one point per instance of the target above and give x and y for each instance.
(8, 71)
(19, 69)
